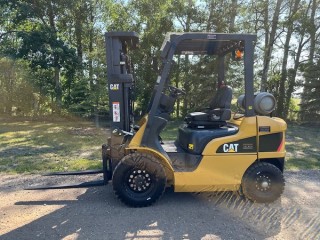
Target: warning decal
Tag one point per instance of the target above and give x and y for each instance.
(116, 111)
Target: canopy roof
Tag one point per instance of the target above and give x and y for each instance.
(206, 43)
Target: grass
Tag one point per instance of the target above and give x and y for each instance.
(49, 146)
(43, 146)
(171, 131)
(303, 149)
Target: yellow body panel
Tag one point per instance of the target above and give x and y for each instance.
(136, 140)
(160, 156)
(265, 155)
(221, 171)
(247, 128)
(215, 173)
(276, 124)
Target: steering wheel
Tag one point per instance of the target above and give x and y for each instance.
(176, 91)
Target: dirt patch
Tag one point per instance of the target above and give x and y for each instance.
(95, 213)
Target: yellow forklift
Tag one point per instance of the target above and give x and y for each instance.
(215, 149)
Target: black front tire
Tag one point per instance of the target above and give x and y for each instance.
(263, 183)
(139, 180)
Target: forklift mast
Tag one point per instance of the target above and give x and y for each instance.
(120, 77)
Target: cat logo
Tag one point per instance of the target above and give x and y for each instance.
(114, 87)
(230, 148)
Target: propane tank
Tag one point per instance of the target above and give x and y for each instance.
(264, 103)
(241, 101)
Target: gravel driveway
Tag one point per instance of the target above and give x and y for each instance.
(95, 213)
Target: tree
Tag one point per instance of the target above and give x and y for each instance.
(300, 27)
(311, 103)
(313, 30)
(17, 96)
(270, 38)
(289, 24)
(62, 42)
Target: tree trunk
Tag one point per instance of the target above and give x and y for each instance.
(209, 22)
(187, 83)
(177, 78)
(58, 90)
(233, 14)
(78, 31)
(282, 96)
(312, 32)
(9, 103)
(292, 76)
(269, 47)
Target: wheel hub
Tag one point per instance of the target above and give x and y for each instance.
(263, 183)
(139, 180)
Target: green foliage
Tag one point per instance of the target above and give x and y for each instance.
(42, 49)
(311, 103)
(171, 131)
(52, 36)
(17, 96)
(62, 45)
(294, 108)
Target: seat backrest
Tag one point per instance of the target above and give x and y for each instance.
(222, 99)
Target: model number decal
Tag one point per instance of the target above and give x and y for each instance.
(264, 129)
(245, 145)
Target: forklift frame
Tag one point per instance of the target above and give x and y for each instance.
(133, 153)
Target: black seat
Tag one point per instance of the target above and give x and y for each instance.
(216, 115)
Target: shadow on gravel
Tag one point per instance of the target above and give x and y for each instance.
(97, 214)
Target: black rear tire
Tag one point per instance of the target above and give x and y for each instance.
(139, 179)
(263, 183)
